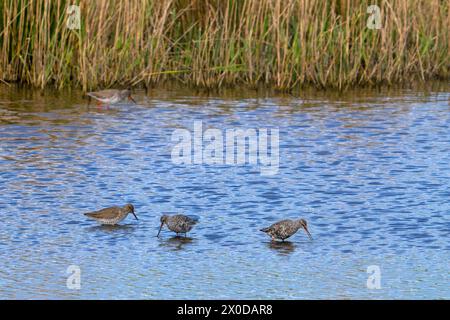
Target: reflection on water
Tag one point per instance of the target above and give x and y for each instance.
(116, 229)
(175, 243)
(368, 170)
(283, 248)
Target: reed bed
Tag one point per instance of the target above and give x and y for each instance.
(215, 43)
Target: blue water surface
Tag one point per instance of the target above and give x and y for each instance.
(369, 170)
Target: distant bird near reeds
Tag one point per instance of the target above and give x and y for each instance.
(285, 228)
(112, 215)
(178, 223)
(111, 96)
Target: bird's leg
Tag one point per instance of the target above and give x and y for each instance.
(101, 104)
(185, 234)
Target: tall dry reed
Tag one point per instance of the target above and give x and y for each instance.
(212, 43)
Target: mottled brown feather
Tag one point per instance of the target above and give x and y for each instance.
(107, 213)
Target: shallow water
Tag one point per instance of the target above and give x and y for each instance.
(368, 170)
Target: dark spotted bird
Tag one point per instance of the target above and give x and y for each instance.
(178, 223)
(285, 228)
(111, 96)
(112, 215)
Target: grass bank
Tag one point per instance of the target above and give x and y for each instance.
(215, 43)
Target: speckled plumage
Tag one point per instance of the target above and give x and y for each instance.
(111, 96)
(178, 223)
(285, 228)
(112, 215)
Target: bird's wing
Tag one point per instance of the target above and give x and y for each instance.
(191, 221)
(275, 226)
(185, 219)
(107, 213)
(103, 94)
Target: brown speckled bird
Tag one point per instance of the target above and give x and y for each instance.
(111, 96)
(178, 223)
(112, 215)
(285, 228)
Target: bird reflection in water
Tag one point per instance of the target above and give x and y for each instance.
(283, 248)
(113, 228)
(176, 243)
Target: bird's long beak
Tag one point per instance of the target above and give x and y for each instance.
(130, 98)
(134, 215)
(307, 232)
(160, 229)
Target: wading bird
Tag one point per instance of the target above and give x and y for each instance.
(111, 96)
(285, 228)
(112, 215)
(178, 223)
